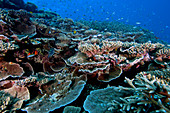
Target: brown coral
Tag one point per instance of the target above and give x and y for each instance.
(19, 92)
(163, 56)
(10, 69)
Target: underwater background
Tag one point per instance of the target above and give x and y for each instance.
(150, 14)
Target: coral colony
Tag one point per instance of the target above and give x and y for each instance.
(49, 63)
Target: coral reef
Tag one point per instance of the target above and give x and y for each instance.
(18, 4)
(48, 63)
(120, 28)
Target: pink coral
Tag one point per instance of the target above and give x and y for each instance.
(19, 92)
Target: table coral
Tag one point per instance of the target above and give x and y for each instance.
(58, 94)
(10, 69)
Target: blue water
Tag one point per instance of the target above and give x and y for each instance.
(150, 14)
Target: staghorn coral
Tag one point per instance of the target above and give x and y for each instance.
(5, 46)
(162, 73)
(19, 92)
(90, 49)
(6, 101)
(134, 53)
(135, 61)
(95, 49)
(12, 95)
(151, 94)
(106, 46)
(148, 93)
(163, 56)
(126, 55)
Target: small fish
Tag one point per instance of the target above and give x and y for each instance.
(138, 23)
(134, 27)
(32, 54)
(127, 20)
(116, 48)
(137, 66)
(28, 54)
(36, 52)
(74, 32)
(51, 52)
(10, 63)
(157, 37)
(107, 18)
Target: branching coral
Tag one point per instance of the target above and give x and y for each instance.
(151, 95)
(12, 95)
(19, 92)
(6, 100)
(163, 56)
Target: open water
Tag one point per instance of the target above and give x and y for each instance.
(150, 14)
